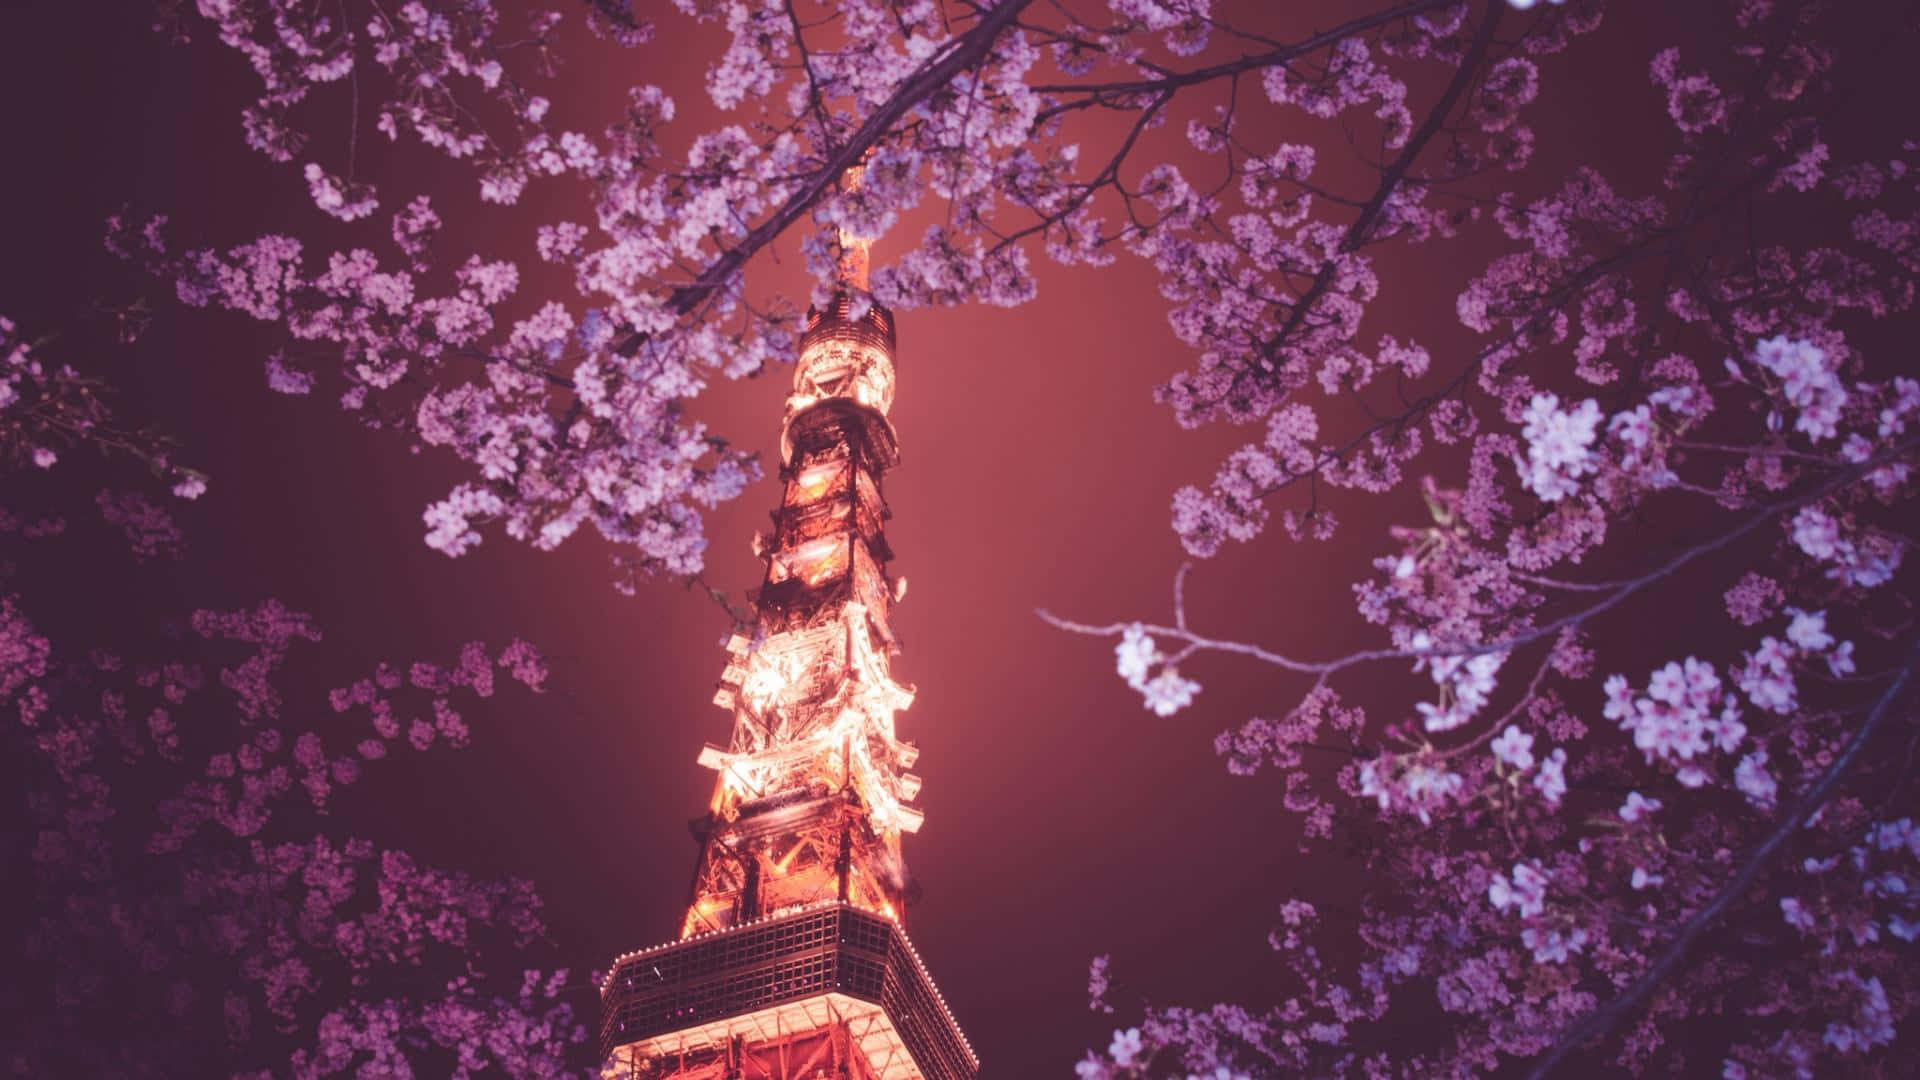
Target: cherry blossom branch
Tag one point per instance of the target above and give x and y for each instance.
(968, 50)
(1159, 92)
(1108, 176)
(1099, 92)
(1396, 172)
(1667, 237)
(1605, 1018)
(1622, 590)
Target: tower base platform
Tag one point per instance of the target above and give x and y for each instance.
(826, 991)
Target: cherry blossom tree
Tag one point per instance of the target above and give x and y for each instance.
(1576, 844)
(1705, 865)
(183, 906)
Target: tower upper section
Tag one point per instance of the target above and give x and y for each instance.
(846, 358)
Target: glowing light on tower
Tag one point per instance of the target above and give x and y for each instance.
(793, 960)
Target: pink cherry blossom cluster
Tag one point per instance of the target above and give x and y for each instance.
(1559, 446)
(1166, 692)
(1465, 684)
(1684, 715)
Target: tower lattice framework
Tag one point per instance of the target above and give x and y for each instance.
(793, 961)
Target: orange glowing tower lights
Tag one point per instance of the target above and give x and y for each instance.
(792, 960)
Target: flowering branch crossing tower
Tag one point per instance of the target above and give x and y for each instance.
(793, 960)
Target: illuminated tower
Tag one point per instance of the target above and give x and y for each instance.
(792, 960)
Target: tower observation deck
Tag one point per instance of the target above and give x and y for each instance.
(793, 960)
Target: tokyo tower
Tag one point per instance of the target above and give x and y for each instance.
(793, 959)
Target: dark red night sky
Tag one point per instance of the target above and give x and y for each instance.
(1063, 821)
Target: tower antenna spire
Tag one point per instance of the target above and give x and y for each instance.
(855, 251)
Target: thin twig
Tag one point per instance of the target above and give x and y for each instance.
(1625, 589)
